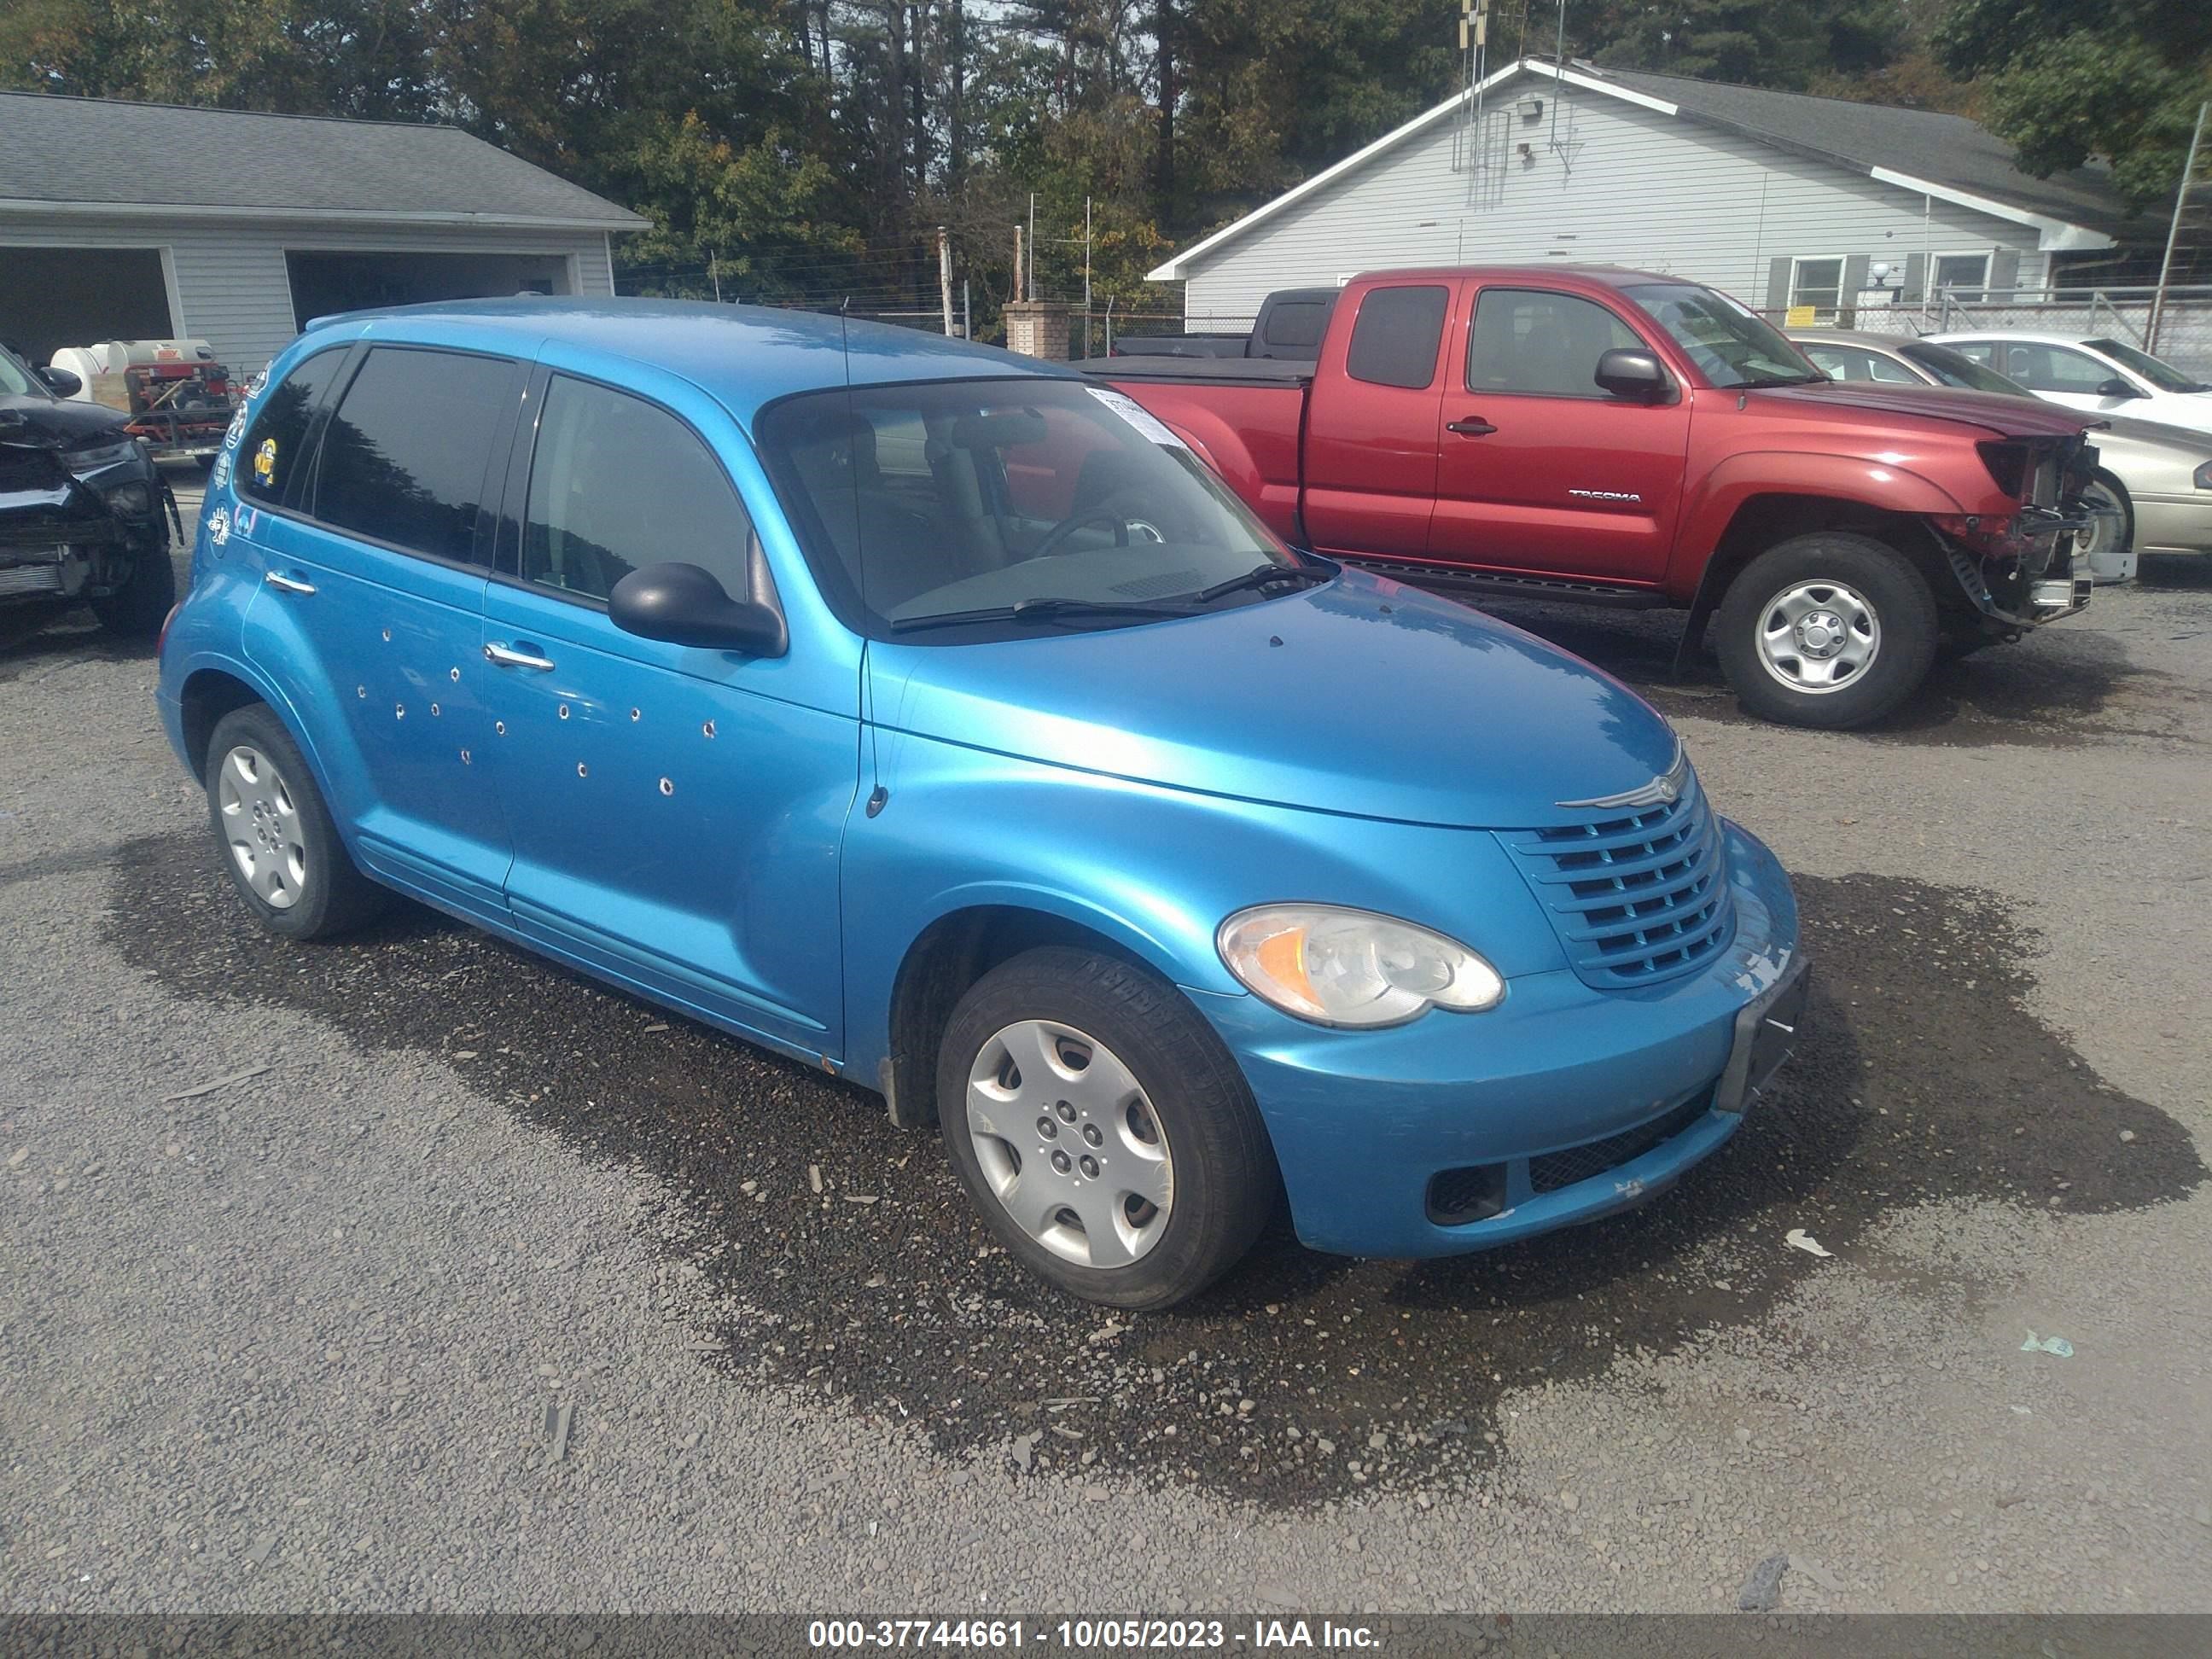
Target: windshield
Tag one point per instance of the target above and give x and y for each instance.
(951, 497)
(1731, 344)
(2165, 376)
(1956, 369)
(16, 380)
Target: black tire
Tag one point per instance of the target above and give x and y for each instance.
(328, 895)
(1223, 1170)
(1885, 586)
(136, 609)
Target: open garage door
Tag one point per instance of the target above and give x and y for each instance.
(51, 297)
(326, 282)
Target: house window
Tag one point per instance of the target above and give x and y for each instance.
(1962, 275)
(1818, 284)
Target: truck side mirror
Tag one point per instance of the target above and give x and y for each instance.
(1626, 371)
(61, 382)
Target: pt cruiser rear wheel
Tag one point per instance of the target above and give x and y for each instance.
(1102, 1129)
(1831, 629)
(279, 844)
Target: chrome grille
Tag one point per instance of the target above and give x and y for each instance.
(1637, 895)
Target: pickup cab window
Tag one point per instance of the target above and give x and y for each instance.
(1529, 340)
(1395, 339)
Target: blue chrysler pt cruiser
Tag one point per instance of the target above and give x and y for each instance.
(927, 714)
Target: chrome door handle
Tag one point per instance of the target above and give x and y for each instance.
(510, 658)
(1472, 427)
(288, 584)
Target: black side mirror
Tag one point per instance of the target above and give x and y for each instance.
(2117, 387)
(1626, 371)
(60, 382)
(684, 604)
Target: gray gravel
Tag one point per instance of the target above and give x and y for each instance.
(310, 1340)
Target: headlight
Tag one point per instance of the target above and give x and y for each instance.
(83, 461)
(129, 498)
(1341, 967)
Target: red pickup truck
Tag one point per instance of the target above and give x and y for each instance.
(1621, 438)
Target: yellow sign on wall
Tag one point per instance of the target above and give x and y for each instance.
(1798, 317)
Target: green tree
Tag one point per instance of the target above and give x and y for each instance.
(2067, 80)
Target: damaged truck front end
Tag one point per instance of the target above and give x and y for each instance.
(2018, 569)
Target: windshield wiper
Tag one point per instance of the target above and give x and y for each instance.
(1042, 608)
(1266, 575)
(1784, 379)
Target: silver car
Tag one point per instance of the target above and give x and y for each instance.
(2153, 482)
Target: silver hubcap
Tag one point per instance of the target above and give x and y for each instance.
(1069, 1144)
(262, 825)
(2108, 523)
(1819, 636)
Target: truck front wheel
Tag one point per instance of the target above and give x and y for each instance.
(1831, 629)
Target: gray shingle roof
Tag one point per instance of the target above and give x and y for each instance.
(86, 150)
(1943, 149)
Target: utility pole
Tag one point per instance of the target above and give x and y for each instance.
(715, 270)
(945, 277)
(967, 313)
(1029, 287)
(1086, 276)
(1018, 263)
(2173, 230)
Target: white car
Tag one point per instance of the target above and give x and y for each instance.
(2109, 376)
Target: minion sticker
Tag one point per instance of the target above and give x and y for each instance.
(264, 463)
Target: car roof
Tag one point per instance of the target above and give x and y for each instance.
(1560, 275)
(745, 356)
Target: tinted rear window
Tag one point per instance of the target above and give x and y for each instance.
(276, 443)
(1297, 323)
(1395, 342)
(404, 458)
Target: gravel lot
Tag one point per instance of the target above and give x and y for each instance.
(306, 1339)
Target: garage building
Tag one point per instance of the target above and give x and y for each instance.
(122, 220)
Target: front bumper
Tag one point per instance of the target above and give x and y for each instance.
(1369, 1126)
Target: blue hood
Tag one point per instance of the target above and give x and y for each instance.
(1363, 697)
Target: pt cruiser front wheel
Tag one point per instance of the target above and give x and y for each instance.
(1102, 1129)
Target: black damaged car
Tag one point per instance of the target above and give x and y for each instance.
(84, 514)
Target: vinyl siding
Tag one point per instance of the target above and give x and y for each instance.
(231, 285)
(1627, 185)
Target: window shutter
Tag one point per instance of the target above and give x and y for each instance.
(1916, 276)
(2004, 269)
(1855, 278)
(1778, 284)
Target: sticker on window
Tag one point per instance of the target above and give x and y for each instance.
(1154, 430)
(264, 462)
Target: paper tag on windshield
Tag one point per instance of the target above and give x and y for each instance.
(1155, 430)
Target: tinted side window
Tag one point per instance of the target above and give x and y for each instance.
(1395, 342)
(275, 442)
(1525, 340)
(404, 458)
(2054, 369)
(1296, 324)
(616, 485)
(1850, 363)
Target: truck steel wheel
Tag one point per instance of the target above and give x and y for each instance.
(1830, 629)
(279, 844)
(1107, 1137)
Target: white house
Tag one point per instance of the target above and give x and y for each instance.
(1781, 199)
(123, 221)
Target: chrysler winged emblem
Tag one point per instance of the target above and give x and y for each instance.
(1662, 791)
